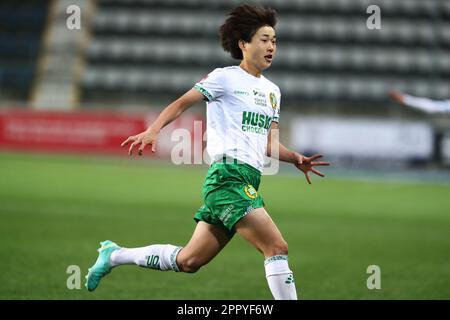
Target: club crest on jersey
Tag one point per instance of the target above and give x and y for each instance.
(250, 191)
(273, 100)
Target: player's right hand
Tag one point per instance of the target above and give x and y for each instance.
(148, 137)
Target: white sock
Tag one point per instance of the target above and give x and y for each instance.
(158, 256)
(280, 278)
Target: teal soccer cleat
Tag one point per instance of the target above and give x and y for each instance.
(102, 266)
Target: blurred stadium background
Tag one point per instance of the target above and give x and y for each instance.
(68, 97)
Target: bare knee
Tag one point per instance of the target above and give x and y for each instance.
(276, 249)
(189, 264)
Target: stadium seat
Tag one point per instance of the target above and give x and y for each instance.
(21, 27)
(164, 46)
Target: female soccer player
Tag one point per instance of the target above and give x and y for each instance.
(243, 107)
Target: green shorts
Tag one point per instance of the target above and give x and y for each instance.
(230, 192)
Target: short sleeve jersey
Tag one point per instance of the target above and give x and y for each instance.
(240, 110)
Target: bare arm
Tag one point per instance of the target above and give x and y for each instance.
(169, 114)
(423, 104)
(275, 149)
(278, 151)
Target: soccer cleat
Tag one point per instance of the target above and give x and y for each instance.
(102, 266)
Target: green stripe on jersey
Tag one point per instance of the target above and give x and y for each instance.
(203, 91)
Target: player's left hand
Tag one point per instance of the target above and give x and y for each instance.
(397, 96)
(307, 164)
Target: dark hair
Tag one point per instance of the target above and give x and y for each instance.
(242, 24)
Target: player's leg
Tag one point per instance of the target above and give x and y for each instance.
(206, 242)
(259, 229)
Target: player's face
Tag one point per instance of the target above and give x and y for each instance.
(262, 47)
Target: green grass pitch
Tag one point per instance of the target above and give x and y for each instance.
(54, 211)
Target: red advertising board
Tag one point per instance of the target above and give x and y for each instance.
(82, 131)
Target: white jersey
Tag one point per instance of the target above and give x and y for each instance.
(240, 110)
(427, 105)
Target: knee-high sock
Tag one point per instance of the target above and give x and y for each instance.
(158, 256)
(280, 278)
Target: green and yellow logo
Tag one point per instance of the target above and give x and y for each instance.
(250, 191)
(273, 100)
